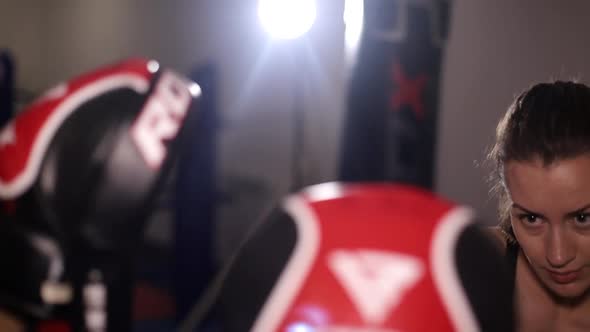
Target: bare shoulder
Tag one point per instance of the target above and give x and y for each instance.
(497, 236)
(9, 323)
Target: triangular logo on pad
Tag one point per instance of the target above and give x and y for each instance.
(376, 281)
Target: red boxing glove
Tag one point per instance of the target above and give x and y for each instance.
(367, 258)
(80, 167)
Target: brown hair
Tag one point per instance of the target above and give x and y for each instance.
(549, 121)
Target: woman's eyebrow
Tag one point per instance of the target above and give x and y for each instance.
(577, 211)
(520, 207)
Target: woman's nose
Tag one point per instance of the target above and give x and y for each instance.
(559, 249)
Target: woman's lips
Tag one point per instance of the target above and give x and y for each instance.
(564, 277)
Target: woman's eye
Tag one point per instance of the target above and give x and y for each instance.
(528, 218)
(582, 218)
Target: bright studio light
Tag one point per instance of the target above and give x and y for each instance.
(286, 19)
(353, 18)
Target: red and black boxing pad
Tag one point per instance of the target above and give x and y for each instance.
(367, 258)
(83, 164)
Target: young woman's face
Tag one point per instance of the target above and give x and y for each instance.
(550, 216)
